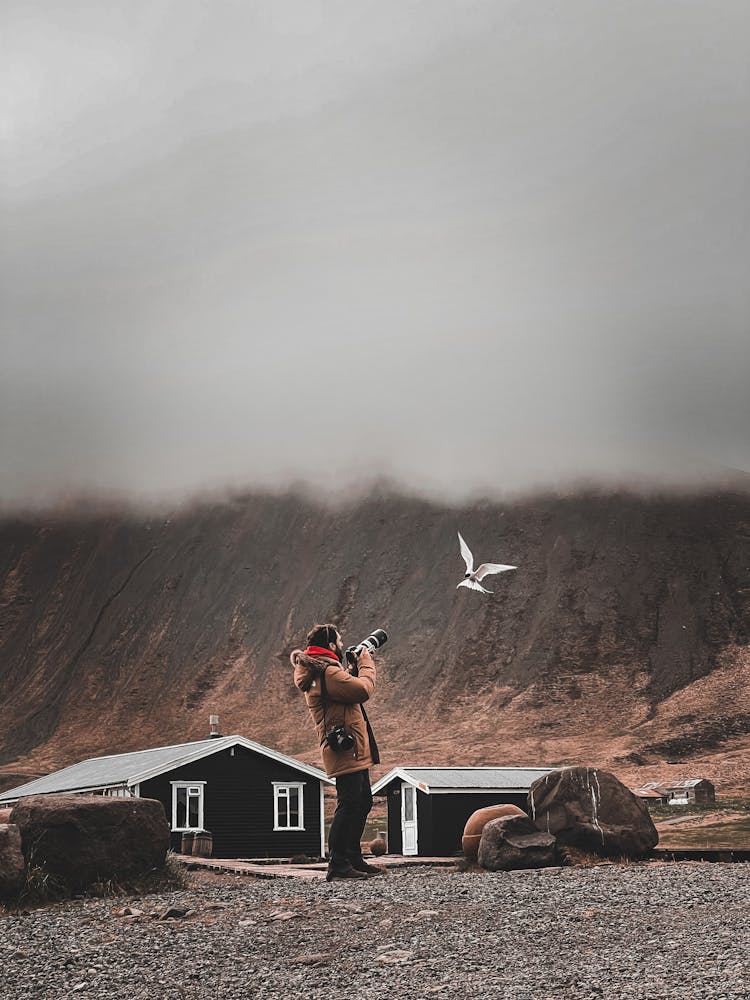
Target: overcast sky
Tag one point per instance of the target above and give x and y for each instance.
(469, 245)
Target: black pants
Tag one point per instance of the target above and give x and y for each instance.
(353, 805)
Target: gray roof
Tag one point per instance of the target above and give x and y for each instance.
(468, 778)
(127, 769)
(668, 786)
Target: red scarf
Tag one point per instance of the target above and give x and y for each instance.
(319, 651)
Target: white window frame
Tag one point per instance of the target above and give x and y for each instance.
(278, 797)
(187, 784)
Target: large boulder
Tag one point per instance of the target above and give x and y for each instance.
(591, 810)
(476, 823)
(11, 861)
(90, 838)
(512, 842)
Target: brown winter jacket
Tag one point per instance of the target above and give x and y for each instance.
(344, 695)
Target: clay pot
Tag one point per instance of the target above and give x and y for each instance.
(378, 847)
(477, 822)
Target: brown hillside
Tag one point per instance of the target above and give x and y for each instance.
(621, 640)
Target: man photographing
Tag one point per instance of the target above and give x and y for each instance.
(334, 695)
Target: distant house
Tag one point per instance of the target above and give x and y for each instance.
(682, 793)
(428, 806)
(692, 790)
(256, 802)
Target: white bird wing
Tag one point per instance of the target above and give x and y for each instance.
(473, 585)
(486, 569)
(466, 553)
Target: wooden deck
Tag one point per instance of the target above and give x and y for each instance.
(314, 871)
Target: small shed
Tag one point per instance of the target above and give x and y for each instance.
(651, 796)
(685, 792)
(428, 806)
(690, 791)
(256, 802)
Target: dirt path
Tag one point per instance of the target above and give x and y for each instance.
(704, 819)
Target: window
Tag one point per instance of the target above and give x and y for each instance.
(187, 805)
(287, 806)
(409, 793)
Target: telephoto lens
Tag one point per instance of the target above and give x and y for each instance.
(373, 641)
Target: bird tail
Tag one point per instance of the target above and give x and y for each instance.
(473, 585)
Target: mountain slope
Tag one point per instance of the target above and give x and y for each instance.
(621, 640)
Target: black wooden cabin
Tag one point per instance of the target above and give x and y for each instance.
(256, 802)
(428, 806)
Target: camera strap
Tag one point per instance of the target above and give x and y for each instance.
(323, 701)
(374, 752)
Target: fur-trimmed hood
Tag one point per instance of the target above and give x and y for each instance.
(307, 668)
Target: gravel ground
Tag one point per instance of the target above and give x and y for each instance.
(644, 932)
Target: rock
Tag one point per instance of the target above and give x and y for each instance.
(128, 911)
(172, 913)
(83, 839)
(513, 842)
(395, 957)
(283, 915)
(591, 810)
(12, 868)
(5, 814)
(477, 822)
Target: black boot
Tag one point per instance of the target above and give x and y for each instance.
(341, 873)
(360, 865)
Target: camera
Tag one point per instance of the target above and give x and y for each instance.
(339, 739)
(373, 641)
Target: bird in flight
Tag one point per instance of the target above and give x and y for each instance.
(473, 577)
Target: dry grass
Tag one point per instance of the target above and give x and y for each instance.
(42, 887)
(575, 857)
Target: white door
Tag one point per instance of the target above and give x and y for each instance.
(408, 818)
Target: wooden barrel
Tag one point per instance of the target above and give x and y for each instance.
(477, 822)
(186, 844)
(203, 844)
